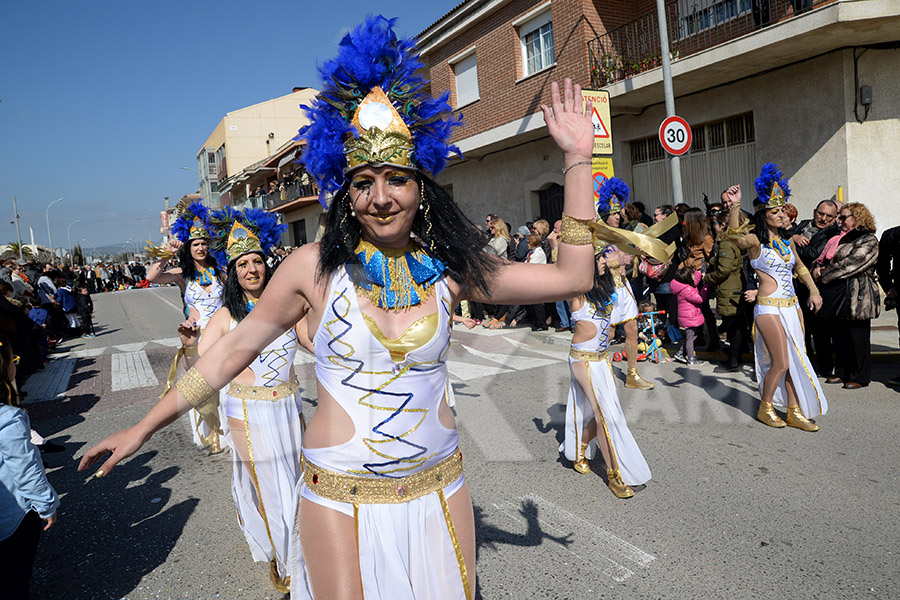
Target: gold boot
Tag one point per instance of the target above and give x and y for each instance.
(768, 415)
(282, 584)
(582, 465)
(617, 486)
(214, 445)
(636, 382)
(795, 418)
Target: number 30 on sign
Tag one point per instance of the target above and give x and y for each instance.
(675, 136)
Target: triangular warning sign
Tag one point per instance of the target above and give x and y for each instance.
(600, 130)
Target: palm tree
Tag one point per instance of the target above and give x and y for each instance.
(12, 250)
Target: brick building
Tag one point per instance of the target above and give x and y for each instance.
(804, 83)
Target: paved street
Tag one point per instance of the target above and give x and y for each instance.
(734, 509)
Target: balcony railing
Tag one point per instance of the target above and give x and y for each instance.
(693, 25)
(291, 192)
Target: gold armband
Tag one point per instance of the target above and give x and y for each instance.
(199, 394)
(813, 290)
(802, 271)
(191, 351)
(575, 232)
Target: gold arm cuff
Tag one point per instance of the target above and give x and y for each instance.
(575, 232)
(783, 302)
(191, 351)
(813, 290)
(739, 231)
(261, 392)
(354, 489)
(199, 394)
(587, 355)
(802, 271)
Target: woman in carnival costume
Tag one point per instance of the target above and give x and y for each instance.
(613, 194)
(784, 373)
(200, 282)
(262, 405)
(385, 511)
(594, 417)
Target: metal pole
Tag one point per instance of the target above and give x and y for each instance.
(18, 233)
(69, 239)
(50, 239)
(674, 161)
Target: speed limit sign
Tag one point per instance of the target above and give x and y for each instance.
(675, 135)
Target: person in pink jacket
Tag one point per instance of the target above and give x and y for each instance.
(690, 317)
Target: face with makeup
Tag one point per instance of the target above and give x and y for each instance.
(775, 218)
(385, 200)
(614, 219)
(199, 250)
(251, 273)
(601, 263)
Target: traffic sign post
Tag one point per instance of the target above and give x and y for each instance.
(600, 118)
(675, 135)
(601, 169)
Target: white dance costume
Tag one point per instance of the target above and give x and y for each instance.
(784, 304)
(206, 302)
(264, 488)
(625, 306)
(624, 451)
(393, 477)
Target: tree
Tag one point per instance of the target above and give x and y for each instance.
(11, 250)
(78, 255)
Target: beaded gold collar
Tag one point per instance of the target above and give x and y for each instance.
(396, 279)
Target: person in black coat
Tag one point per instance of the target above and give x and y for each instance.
(889, 274)
(810, 239)
(85, 308)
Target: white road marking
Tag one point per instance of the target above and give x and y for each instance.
(594, 547)
(170, 342)
(555, 351)
(515, 361)
(50, 383)
(169, 302)
(468, 371)
(133, 347)
(132, 370)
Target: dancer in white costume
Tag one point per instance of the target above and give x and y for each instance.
(391, 518)
(262, 405)
(388, 514)
(201, 285)
(594, 417)
(784, 373)
(610, 197)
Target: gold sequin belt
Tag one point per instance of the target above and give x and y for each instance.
(587, 355)
(261, 392)
(770, 301)
(354, 489)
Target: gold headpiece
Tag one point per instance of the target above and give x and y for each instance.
(198, 230)
(383, 137)
(776, 198)
(241, 241)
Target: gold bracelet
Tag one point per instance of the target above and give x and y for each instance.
(199, 394)
(194, 388)
(575, 232)
(191, 351)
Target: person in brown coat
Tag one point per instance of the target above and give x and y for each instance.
(850, 293)
(725, 272)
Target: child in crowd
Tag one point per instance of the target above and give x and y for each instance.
(28, 497)
(690, 315)
(85, 310)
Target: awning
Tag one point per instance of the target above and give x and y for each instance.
(288, 158)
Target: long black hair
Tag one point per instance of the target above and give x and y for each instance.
(233, 297)
(759, 225)
(447, 235)
(603, 289)
(8, 394)
(186, 261)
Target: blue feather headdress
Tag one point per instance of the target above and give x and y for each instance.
(192, 223)
(374, 109)
(238, 232)
(612, 195)
(771, 187)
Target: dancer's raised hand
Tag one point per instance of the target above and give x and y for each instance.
(568, 122)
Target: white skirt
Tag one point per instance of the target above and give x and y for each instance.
(810, 396)
(625, 307)
(632, 466)
(406, 551)
(264, 489)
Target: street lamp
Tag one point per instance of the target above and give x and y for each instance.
(50, 239)
(69, 240)
(194, 170)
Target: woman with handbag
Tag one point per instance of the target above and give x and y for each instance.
(850, 293)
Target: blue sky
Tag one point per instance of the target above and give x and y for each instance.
(100, 102)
